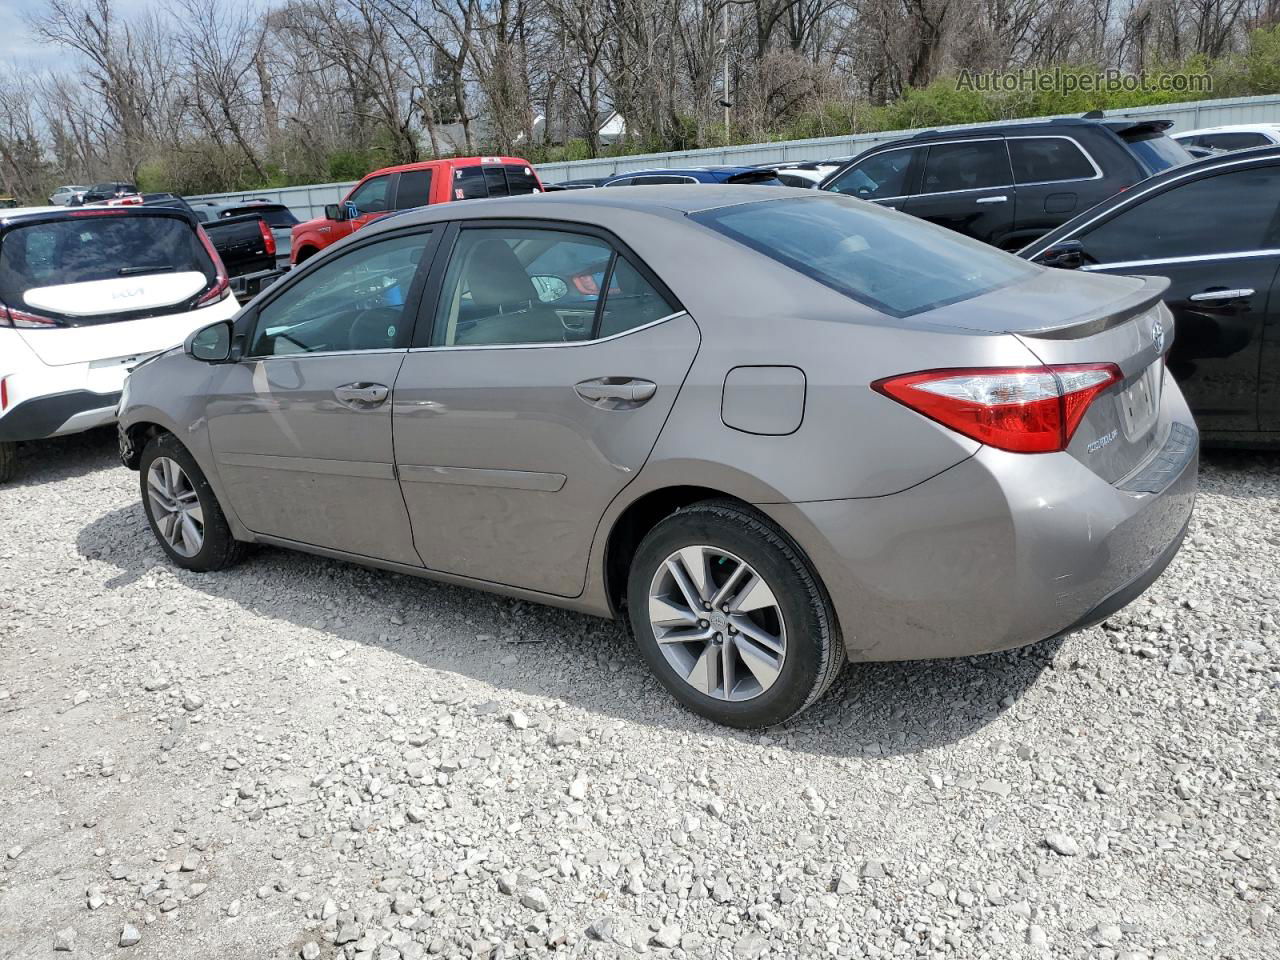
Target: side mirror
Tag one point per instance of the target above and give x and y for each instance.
(211, 344)
(550, 289)
(333, 211)
(1067, 255)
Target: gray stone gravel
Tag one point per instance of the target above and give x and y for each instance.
(300, 758)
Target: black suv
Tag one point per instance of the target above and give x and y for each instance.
(1007, 184)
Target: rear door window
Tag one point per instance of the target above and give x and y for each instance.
(881, 177)
(1229, 213)
(414, 189)
(98, 268)
(469, 183)
(968, 165)
(496, 180)
(1048, 159)
(520, 179)
(898, 265)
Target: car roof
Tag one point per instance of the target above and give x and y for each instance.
(1228, 128)
(446, 162)
(677, 171)
(664, 200)
(50, 214)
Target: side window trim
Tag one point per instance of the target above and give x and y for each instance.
(1010, 185)
(1097, 171)
(446, 243)
(246, 327)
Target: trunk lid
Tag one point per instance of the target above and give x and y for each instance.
(1064, 317)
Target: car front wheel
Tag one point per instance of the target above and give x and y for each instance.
(184, 514)
(730, 617)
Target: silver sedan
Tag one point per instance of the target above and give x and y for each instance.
(773, 430)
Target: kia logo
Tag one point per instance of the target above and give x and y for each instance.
(1157, 335)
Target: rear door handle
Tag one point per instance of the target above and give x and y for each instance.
(1208, 296)
(362, 396)
(1000, 199)
(623, 389)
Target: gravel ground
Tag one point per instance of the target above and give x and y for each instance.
(304, 758)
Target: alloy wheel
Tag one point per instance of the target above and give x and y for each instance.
(175, 506)
(718, 623)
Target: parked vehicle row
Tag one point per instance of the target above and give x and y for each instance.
(639, 403)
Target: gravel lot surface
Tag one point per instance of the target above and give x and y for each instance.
(304, 758)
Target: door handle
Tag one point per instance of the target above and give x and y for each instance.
(362, 396)
(623, 389)
(1000, 199)
(1208, 296)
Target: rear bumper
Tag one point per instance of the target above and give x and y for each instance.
(999, 551)
(58, 413)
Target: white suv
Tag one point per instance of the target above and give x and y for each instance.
(85, 295)
(1237, 136)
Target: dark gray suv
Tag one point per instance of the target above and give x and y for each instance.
(1008, 184)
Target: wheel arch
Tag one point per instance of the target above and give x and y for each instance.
(136, 437)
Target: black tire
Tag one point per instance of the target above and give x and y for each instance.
(220, 549)
(8, 461)
(814, 650)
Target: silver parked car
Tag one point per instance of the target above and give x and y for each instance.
(773, 429)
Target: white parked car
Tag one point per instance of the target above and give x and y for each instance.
(805, 173)
(1236, 136)
(65, 194)
(86, 294)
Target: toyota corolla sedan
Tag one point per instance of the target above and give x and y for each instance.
(791, 429)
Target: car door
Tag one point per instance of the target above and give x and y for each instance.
(300, 426)
(887, 178)
(967, 186)
(370, 200)
(535, 391)
(1216, 237)
(1055, 179)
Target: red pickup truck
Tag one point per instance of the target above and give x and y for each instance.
(413, 185)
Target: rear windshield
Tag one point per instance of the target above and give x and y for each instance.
(1157, 152)
(886, 260)
(275, 216)
(81, 249)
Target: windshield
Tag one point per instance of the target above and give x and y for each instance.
(886, 260)
(97, 268)
(1157, 152)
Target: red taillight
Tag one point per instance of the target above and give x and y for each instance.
(268, 238)
(4, 394)
(222, 285)
(25, 320)
(1020, 409)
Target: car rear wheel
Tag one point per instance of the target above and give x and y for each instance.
(8, 461)
(730, 617)
(184, 514)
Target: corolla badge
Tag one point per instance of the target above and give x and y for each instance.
(1102, 441)
(1157, 335)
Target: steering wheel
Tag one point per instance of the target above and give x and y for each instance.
(375, 329)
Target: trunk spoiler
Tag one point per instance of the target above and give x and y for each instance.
(1124, 310)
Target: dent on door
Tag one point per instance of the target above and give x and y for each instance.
(509, 456)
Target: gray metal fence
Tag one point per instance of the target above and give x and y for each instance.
(309, 201)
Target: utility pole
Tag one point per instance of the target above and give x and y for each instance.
(725, 97)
